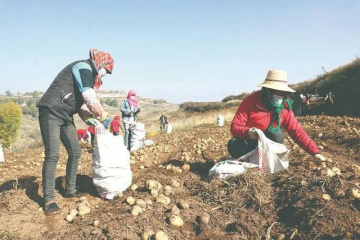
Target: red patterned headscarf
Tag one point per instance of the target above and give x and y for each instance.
(101, 60)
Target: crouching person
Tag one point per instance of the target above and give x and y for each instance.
(268, 110)
(71, 92)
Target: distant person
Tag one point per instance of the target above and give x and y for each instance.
(72, 91)
(163, 122)
(116, 126)
(268, 110)
(82, 134)
(129, 109)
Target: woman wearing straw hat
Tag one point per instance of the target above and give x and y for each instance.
(268, 110)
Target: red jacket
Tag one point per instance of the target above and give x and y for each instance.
(252, 113)
(115, 125)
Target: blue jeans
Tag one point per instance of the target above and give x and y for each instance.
(54, 130)
(127, 138)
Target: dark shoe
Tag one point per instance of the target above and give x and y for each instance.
(51, 209)
(76, 194)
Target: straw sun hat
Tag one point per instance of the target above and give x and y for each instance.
(276, 79)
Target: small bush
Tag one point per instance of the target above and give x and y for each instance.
(159, 101)
(10, 119)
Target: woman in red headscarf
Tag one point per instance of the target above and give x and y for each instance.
(72, 91)
(129, 109)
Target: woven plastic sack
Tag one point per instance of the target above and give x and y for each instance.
(2, 159)
(220, 120)
(168, 128)
(111, 165)
(268, 156)
(137, 136)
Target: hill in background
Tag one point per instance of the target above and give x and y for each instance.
(343, 82)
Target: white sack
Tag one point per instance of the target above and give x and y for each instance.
(268, 156)
(111, 165)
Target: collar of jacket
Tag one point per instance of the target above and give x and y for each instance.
(262, 107)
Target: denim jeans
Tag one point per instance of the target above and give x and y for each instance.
(127, 138)
(238, 147)
(54, 130)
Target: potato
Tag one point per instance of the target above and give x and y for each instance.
(339, 193)
(175, 210)
(183, 204)
(136, 210)
(71, 215)
(327, 172)
(168, 190)
(175, 169)
(355, 169)
(163, 199)
(355, 193)
(160, 235)
(336, 170)
(203, 218)
(83, 208)
(134, 187)
(130, 200)
(152, 184)
(148, 201)
(96, 223)
(140, 203)
(175, 184)
(147, 234)
(326, 197)
(185, 167)
(154, 192)
(176, 221)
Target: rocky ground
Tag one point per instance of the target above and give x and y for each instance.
(312, 200)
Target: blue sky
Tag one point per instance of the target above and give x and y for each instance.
(189, 50)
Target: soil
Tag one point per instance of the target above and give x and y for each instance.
(285, 205)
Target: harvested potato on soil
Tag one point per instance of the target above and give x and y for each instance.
(203, 218)
(336, 170)
(140, 203)
(160, 235)
(183, 204)
(168, 190)
(175, 210)
(175, 184)
(130, 201)
(71, 215)
(326, 197)
(176, 221)
(163, 199)
(355, 193)
(185, 167)
(136, 210)
(339, 193)
(154, 192)
(147, 234)
(152, 184)
(83, 208)
(134, 187)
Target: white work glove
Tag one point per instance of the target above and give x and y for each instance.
(253, 134)
(319, 157)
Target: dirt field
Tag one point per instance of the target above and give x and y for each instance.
(286, 205)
